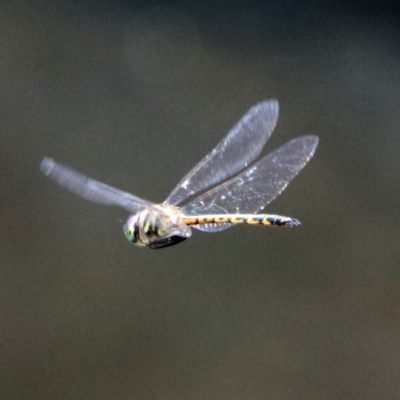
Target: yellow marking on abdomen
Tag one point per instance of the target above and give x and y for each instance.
(190, 221)
(205, 220)
(254, 221)
(220, 220)
(237, 220)
(266, 221)
(198, 220)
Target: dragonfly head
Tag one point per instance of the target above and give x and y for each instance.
(131, 230)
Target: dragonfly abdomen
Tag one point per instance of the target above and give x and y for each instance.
(251, 219)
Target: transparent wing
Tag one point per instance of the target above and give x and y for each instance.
(90, 189)
(213, 227)
(258, 185)
(235, 152)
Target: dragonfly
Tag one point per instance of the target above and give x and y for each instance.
(224, 189)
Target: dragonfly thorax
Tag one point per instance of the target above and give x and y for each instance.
(156, 227)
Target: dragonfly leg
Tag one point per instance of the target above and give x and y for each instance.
(168, 241)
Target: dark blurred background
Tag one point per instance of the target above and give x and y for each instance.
(134, 95)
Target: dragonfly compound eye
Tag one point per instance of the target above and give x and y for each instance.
(130, 229)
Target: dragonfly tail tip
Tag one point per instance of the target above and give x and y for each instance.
(294, 222)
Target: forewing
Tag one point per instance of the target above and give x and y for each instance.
(90, 189)
(235, 152)
(258, 185)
